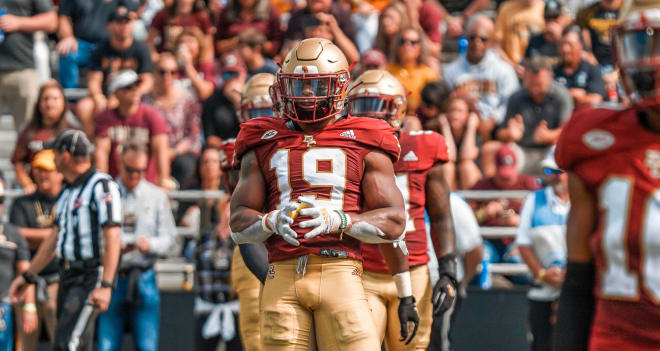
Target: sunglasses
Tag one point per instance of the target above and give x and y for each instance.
(551, 171)
(166, 71)
(403, 41)
(132, 86)
(131, 170)
(474, 37)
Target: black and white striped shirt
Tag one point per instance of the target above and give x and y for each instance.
(84, 207)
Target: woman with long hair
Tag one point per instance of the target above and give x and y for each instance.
(239, 15)
(196, 66)
(170, 22)
(407, 64)
(393, 19)
(182, 110)
(48, 121)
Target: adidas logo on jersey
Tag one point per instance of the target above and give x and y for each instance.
(348, 134)
(410, 157)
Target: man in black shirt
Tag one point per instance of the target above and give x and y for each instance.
(598, 20)
(583, 80)
(220, 110)
(120, 51)
(547, 43)
(34, 216)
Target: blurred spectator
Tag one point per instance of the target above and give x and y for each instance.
(18, 76)
(202, 214)
(365, 17)
(170, 22)
(34, 216)
(250, 48)
(406, 64)
(119, 51)
(216, 306)
(196, 70)
(541, 240)
(503, 212)
(147, 231)
(457, 12)
(535, 115)
(582, 79)
(323, 25)
(372, 59)
(483, 75)
(240, 15)
(458, 124)
(426, 15)
(546, 44)
(597, 21)
(48, 121)
(313, 9)
(15, 259)
(434, 96)
(132, 122)
(219, 112)
(182, 111)
(393, 19)
(81, 26)
(516, 22)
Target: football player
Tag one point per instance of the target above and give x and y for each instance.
(326, 183)
(249, 263)
(610, 299)
(419, 176)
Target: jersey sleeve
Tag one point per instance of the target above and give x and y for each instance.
(439, 145)
(390, 144)
(375, 133)
(571, 148)
(256, 132)
(227, 155)
(108, 202)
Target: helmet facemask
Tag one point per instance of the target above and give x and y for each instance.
(259, 107)
(381, 106)
(310, 98)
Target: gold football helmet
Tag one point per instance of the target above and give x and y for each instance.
(312, 82)
(378, 94)
(255, 97)
(636, 45)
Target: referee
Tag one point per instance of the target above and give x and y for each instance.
(86, 241)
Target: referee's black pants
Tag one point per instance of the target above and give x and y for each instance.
(75, 317)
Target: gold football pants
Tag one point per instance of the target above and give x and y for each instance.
(248, 288)
(384, 304)
(312, 296)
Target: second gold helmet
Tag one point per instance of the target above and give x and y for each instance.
(378, 94)
(255, 97)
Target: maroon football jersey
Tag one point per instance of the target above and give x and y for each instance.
(325, 165)
(420, 151)
(619, 161)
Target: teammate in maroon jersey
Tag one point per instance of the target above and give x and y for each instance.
(342, 168)
(611, 295)
(419, 176)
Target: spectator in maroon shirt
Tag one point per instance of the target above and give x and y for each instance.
(503, 212)
(132, 122)
(170, 22)
(48, 121)
(196, 69)
(240, 15)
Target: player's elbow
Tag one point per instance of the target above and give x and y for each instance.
(397, 219)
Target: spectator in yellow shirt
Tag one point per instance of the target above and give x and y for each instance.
(516, 22)
(406, 64)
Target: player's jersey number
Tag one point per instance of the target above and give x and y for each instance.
(323, 168)
(403, 183)
(619, 281)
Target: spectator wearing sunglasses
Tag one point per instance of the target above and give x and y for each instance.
(182, 111)
(132, 122)
(541, 240)
(482, 75)
(406, 64)
(219, 112)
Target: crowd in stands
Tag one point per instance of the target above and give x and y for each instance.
(497, 79)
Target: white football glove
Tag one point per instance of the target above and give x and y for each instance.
(279, 222)
(324, 220)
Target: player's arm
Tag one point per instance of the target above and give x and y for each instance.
(576, 302)
(383, 220)
(247, 223)
(397, 263)
(443, 238)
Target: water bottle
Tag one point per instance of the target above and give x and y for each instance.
(485, 278)
(2, 33)
(462, 45)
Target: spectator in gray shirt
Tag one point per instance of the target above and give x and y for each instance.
(19, 85)
(147, 232)
(535, 114)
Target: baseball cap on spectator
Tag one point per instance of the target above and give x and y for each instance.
(121, 13)
(122, 79)
(549, 164)
(231, 66)
(72, 141)
(553, 9)
(44, 159)
(505, 160)
(373, 59)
